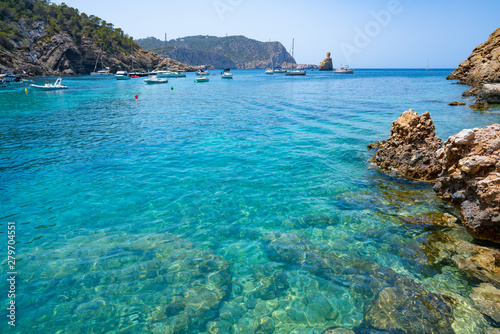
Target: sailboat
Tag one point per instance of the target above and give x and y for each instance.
(270, 70)
(104, 71)
(294, 72)
(226, 74)
(166, 73)
(427, 68)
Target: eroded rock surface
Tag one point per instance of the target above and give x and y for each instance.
(327, 64)
(411, 147)
(471, 179)
(483, 65)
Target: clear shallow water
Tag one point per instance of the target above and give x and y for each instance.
(234, 206)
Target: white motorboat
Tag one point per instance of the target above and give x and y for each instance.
(155, 80)
(344, 70)
(226, 74)
(105, 72)
(122, 75)
(170, 74)
(48, 86)
(296, 72)
(269, 71)
(201, 79)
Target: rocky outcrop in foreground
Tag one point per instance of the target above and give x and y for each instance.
(468, 166)
(327, 64)
(471, 179)
(483, 65)
(411, 147)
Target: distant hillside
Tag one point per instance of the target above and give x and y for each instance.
(220, 52)
(46, 39)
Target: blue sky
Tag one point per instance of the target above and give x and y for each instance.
(360, 33)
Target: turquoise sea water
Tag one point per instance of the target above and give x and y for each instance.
(234, 206)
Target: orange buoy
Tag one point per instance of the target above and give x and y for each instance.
(136, 96)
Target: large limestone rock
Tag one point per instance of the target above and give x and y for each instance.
(467, 167)
(411, 147)
(471, 179)
(327, 64)
(483, 65)
(490, 93)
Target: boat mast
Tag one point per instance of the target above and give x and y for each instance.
(166, 50)
(293, 42)
(132, 54)
(97, 59)
(271, 55)
(102, 65)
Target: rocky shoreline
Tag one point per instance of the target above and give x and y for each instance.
(481, 71)
(466, 170)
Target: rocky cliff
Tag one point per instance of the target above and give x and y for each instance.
(46, 39)
(220, 52)
(483, 65)
(468, 166)
(61, 55)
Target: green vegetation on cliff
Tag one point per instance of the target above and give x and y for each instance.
(243, 51)
(15, 15)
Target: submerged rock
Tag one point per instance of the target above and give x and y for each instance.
(411, 147)
(327, 64)
(410, 310)
(478, 261)
(471, 179)
(487, 299)
(480, 105)
(337, 330)
(456, 103)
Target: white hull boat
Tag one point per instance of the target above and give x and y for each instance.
(344, 70)
(55, 86)
(170, 74)
(122, 75)
(296, 72)
(202, 79)
(293, 72)
(155, 80)
(226, 74)
(101, 73)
